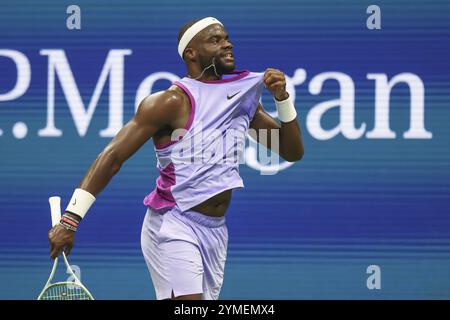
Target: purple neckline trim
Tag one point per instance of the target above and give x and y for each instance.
(242, 74)
(191, 116)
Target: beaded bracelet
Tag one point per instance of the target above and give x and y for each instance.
(69, 223)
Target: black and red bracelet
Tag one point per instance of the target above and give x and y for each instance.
(69, 222)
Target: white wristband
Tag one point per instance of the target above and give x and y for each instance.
(80, 202)
(286, 110)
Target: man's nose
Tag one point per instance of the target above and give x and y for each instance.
(227, 44)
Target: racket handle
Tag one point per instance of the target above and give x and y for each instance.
(55, 209)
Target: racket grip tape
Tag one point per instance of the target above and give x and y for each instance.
(55, 209)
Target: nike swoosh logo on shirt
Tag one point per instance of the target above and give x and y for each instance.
(230, 97)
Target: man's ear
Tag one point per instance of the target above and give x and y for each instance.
(190, 54)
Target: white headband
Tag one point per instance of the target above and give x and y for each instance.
(192, 32)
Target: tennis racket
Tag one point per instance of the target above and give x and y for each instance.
(68, 290)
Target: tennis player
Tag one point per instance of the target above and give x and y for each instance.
(184, 235)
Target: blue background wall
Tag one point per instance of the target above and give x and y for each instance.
(309, 231)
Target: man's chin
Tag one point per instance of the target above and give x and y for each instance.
(227, 68)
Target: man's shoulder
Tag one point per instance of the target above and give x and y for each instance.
(172, 97)
(164, 106)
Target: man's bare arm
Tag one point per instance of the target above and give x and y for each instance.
(290, 135)
(291, 142)
(154, 113)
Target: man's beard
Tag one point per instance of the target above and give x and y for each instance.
(216, 65)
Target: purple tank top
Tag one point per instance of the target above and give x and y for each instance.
(203, 159)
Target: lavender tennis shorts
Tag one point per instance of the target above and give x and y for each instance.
(185, 252)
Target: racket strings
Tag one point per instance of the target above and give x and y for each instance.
(65, 291)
